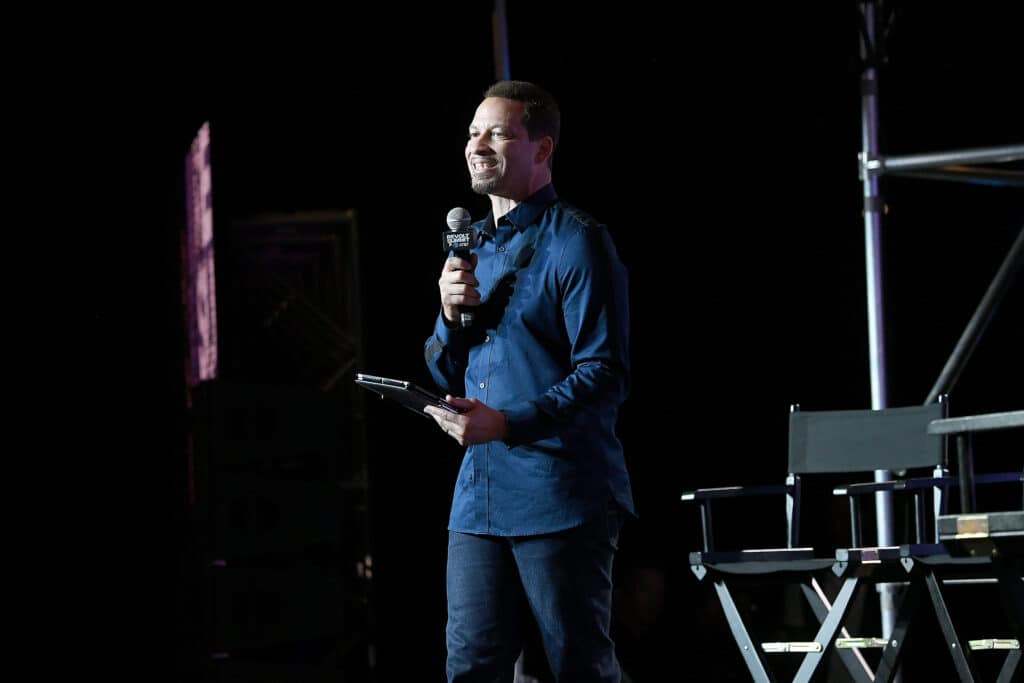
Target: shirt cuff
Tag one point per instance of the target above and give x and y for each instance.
(444, 330)
(526, 422)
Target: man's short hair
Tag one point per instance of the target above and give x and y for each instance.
(542, 116)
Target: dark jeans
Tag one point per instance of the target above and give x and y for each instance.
(564, 579)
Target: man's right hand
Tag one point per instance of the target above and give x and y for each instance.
(457, 285)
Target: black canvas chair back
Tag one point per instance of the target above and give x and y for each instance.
(858, 441)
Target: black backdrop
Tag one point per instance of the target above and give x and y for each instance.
(719, 143)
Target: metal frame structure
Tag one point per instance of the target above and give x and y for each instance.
(280, 501)
(958, 165)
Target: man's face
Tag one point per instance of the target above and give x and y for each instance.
(499, 152)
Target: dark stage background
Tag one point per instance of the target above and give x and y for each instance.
(718, 141)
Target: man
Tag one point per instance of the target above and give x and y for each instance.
(540, 375)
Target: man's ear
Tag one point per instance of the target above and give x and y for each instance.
(544, 150)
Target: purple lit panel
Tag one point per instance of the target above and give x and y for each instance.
(199, 286)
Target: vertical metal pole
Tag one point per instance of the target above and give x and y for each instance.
(499, 27)
(873, 206)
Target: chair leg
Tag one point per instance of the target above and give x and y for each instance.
(826, 635)
(961, 657)
(888, 665)
(751, 656)
(1011, 589)
(1009, 667)
(852, 659)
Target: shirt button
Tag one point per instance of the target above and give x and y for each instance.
(501, 248)
(483, 385)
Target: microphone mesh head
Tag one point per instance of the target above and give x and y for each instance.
(458, 219)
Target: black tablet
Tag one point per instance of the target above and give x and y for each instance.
(410, 395)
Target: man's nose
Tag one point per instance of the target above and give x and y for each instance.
(479, 145)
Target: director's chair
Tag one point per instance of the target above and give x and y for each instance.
(823, 445)
(852, 444)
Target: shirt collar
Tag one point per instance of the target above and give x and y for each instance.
(525, 213)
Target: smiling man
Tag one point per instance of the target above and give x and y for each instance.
(539, 375)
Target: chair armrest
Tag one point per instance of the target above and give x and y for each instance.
(704, 497)
(734, 492)
(913, 484)
(918, 483)
(999, 478)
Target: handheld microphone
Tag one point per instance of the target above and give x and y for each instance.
(459, 239)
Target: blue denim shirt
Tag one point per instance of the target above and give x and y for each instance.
(549, 347)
